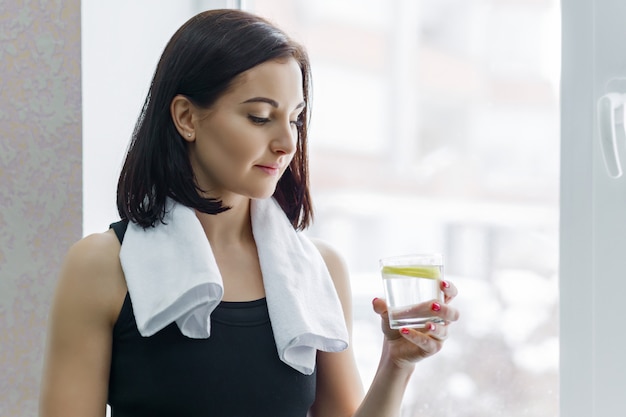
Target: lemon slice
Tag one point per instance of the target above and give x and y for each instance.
(430, 272)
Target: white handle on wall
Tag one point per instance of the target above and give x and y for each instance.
(611, 113)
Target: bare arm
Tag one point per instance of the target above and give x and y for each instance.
(339, 392)
(88, 298)
(339, 387)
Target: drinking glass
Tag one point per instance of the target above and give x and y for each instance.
(412, 283)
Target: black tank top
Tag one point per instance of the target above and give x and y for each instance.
(234, 373)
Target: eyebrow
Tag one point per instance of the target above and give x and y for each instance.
(270, 101)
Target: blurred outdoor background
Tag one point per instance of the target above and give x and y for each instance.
(435, 128)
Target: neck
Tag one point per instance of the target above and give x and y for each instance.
(230, 227)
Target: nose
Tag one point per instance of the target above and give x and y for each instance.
(284, 138)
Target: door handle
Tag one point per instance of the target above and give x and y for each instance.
(611, 109)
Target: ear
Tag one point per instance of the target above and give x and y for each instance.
(182, 110)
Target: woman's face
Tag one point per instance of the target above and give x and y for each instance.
(244, 142)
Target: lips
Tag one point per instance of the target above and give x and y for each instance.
(273, 169)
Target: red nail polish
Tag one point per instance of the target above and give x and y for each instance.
(436, 306)
(445, 284)
(375, 298)
(404, 330)
(431, 327)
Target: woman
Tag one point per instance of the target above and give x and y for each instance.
(201, 302)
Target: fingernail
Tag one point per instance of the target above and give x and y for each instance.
(445, 284)
(374, 300)
(431, 327)
(404, 330)
(436, 306)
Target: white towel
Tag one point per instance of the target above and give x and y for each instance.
(172, 276)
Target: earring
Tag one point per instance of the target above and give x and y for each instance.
(188, 135)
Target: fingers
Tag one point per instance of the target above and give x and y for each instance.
(425, 341)
(445, 312)
(448, 288)
(437, 331)
(380, 306)
(449, 291)
(432, 308)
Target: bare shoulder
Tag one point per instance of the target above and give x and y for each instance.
(333, 259)
(92, 272)
(95, 255)
(338, 270)
(88, 298)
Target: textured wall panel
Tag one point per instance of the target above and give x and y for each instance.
(40, 181)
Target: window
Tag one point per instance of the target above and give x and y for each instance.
(436, 128)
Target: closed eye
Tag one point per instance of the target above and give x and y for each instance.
(258, 120)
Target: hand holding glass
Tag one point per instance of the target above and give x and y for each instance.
(412, 283)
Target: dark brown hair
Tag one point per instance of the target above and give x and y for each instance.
(200, 62)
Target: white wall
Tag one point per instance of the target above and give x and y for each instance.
(121, 44)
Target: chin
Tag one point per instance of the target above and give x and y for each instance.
(262, 194)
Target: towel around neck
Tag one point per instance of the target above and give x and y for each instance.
(172, 276)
